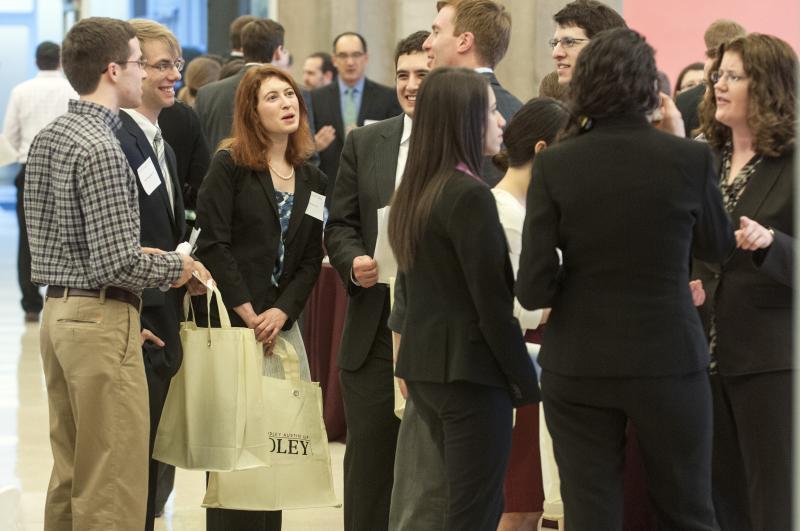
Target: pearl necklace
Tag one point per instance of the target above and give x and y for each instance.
(279, 176)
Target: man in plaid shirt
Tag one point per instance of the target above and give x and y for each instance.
(82, 212)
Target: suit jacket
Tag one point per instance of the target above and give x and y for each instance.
(624, 202)
(459, 323)
(161, 227)
(181, 128)
(377, 103)
(751, 293)
(688, 103)
(365, 183)
(508, 105)
(214, 105)
(238, 214)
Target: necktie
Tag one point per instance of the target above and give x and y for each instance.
(158, 144)
(349, 114)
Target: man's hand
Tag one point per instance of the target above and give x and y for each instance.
(670, 120)
(324, 137)
(188, 267)
(752, 236)
(198, 284)
(698, 293)
(147, 335)
(365, 271)
(271, 323)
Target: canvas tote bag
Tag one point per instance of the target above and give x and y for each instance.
(300, 473)
(213, 418)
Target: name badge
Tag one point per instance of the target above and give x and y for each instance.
(148, 176)
(316, 206)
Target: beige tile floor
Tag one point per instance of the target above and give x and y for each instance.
(25, 457)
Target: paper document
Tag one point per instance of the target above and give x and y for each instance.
(387, 265)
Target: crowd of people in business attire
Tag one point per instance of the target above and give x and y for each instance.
(578, 250)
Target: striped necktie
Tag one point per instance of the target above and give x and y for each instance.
(349, 114)
(158, 144)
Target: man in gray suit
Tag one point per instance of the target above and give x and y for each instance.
(474, 34)
(262, 43)
(372, 164)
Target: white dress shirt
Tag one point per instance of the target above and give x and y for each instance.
(34, 104)
(150, 129)
(402, 155)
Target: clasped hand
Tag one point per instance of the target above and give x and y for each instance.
(752, 236)
(365, 271)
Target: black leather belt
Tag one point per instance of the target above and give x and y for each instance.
(117, 294)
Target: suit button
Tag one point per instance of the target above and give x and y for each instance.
(716, 276)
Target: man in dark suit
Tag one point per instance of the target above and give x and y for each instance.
(372, 164)
(349, 102)
(474, 34)
(162, 218)
(262, 42)
(719, 32)
(235, 34)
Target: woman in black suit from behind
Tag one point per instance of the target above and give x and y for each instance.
(749, 117)
(259, 235)
(626, 204)
(462, 356)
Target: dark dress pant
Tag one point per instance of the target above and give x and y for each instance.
(32, 301)
(372, 428)
(471, 428)
(587, 418)
(752, 459)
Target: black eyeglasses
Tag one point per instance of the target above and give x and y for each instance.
(163, 66)
(566, 42)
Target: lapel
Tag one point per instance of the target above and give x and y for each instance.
(759, 186)
(334, 103)
(265, 180)
(384, 163)
(178, 221)
(366, 97)
(146, 151)
(302, 193)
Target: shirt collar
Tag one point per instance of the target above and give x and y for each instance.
(484, 70)
(148, 128)
(359, 86)
(407, 123)
(109, 117)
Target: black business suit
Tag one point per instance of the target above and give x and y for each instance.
(214, 105)
(161, 227)
(688, 103)
(624, 202)
(378, 102)
(366, 182)
(507, 105)
(462, 353)
(239, 244)
(750, 295)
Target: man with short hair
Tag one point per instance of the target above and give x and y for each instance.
(32, 105)
(372, 164)
(719, 32)
(318, 70)
(235, 34)
(576, 24)
(349, 102)
(262, 43)
(82, 211)
(474, 34)
(162, 218)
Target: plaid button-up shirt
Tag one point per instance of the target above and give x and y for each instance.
(82, 207)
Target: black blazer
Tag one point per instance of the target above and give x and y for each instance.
(377, 103)
(508, 105)
(163, 228)
(624, 202)
(459, 323)
(365, 183)
(182, 130)
(751, 292)
(238, 215)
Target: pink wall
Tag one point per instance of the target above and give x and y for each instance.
(675, 28)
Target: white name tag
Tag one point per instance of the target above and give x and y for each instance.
(316, 206)
(148, 176)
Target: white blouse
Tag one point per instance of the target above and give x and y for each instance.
(512, 217)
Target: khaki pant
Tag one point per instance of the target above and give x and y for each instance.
(99, 417)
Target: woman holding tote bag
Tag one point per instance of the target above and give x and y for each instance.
(260, 211)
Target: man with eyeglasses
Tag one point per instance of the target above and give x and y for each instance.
(82, 213)
(350, 102)
(162, 218)
(719, 32)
